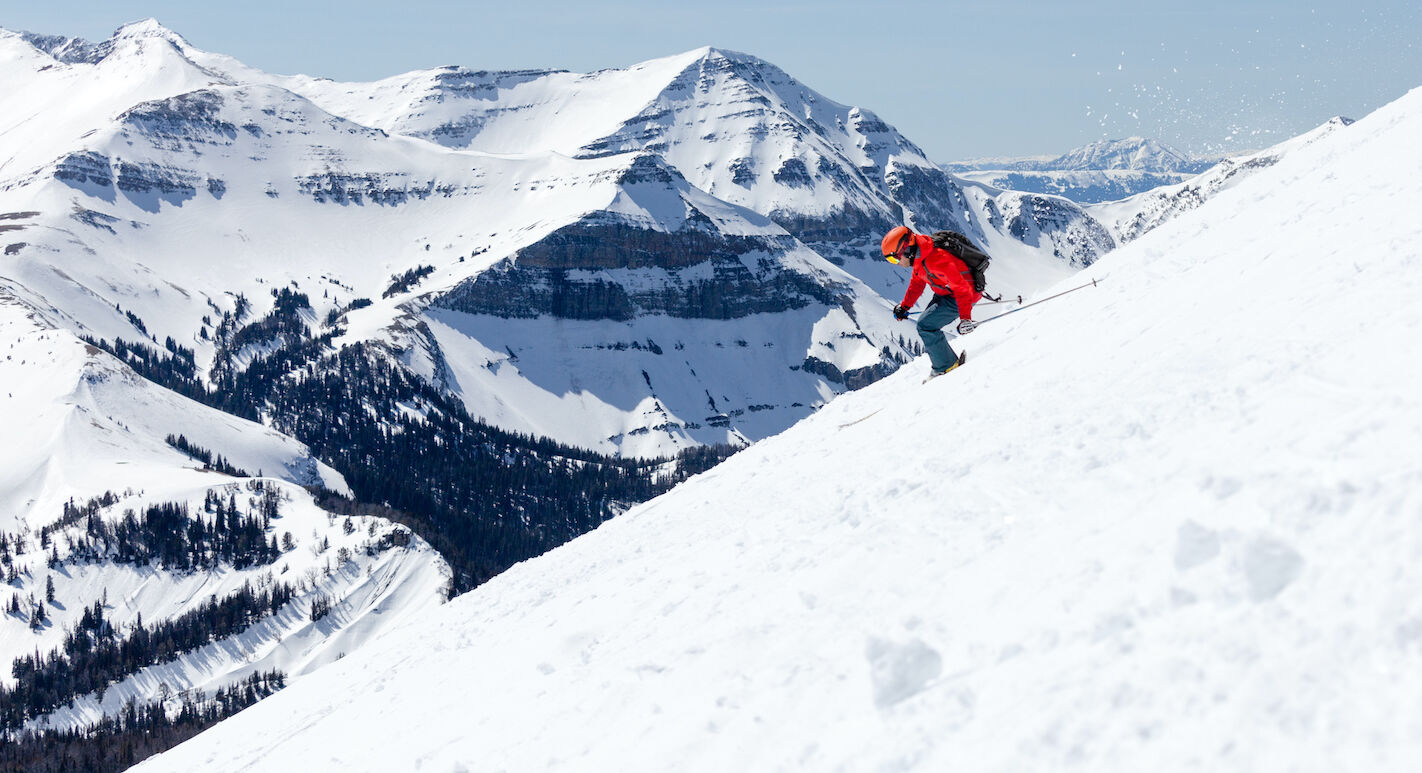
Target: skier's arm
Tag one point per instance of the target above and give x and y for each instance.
(916, 284)
(965, 298)
(960, 283)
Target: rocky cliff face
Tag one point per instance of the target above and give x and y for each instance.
(606, 268)
(145, 184)
(1055, 224)
(182, 121)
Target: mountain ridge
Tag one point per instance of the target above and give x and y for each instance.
(1105, 170)
(1140, 154)
(840, 205)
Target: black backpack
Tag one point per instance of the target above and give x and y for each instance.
(975, 259)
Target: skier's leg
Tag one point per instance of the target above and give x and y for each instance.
(930, 328)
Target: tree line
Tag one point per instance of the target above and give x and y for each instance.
(485, 498)
(94, 655)
(136, 733)
(168, 535)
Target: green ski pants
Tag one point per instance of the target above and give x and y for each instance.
(941, 311)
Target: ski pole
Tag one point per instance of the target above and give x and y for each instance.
(1018, 299)
(1034, 303)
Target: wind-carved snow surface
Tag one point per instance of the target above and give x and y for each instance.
(1168, 522)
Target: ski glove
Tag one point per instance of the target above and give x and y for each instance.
(900, 312)
(966, 326)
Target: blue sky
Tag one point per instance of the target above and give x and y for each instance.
(962, 79)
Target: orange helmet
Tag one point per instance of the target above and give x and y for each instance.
(893, 243)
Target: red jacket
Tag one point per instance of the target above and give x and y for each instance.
(942, 271)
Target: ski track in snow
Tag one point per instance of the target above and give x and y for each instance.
(1165, 523)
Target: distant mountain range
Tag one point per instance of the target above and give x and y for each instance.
(1101, 171)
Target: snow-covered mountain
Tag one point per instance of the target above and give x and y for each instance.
(1099, 171)
(684, 205)
(1139, 154)
(91, 444)
(740, 129)
(1147, 526)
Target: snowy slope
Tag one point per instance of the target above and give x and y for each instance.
(396, 581)
(1147, 527)
(54, 91)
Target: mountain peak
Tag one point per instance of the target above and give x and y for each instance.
(79, 51)
(1137, 153)
(712, 52)
(147, 28)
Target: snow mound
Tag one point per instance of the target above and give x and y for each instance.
(1162, 523)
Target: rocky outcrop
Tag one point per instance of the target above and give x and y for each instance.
(605, 268)
(934, 197)
(145, 184)
(384, 188)
(457, 83)
(827, 233)
(1047, 221)
(85, 168)
(179, 122)
(856, 378)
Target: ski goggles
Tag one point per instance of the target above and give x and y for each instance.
(905, 251)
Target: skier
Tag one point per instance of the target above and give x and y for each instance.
(954, 293)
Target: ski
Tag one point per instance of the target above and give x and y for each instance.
(962, 358)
